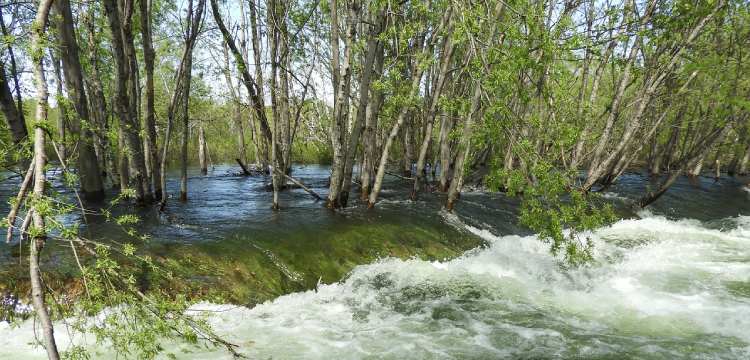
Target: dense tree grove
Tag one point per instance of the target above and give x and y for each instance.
(550, 101)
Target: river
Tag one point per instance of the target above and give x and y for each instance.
(409, 280)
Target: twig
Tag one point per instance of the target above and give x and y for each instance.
(19, 199)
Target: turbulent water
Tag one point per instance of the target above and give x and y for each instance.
(660, 288)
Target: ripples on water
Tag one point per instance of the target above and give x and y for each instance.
(673, 282)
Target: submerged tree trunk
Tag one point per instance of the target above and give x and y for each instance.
(369, 150)
(278, 101)
(202, 150)
(408, 137)
(416, 79)
(373, 64)
(341, 78)
(88, 165)
(98, 108)
(261, 143)
(236, 107)
(195, 17)
(446, 163)
(180, 98)
(446, 54)
(122, 160)
(693, 160)
(126, 103)
(695, 170)
(152, 153)
(464, 148)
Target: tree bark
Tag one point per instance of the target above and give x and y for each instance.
(194, 16)
(13, 117)
(446, 159)
(370, 135)
(742, 167)
(89, 174)
(37, 242)
(202, 150)
(465, 148)
(98, 108)
(373, 52)
(126, 104)
(13, 112)
(261, 143)
(62, 111)
(150, 117)
(252, 87)
(446, 56)
(341, 75)
(690, 161)
(416, 79)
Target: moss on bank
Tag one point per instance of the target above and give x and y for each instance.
(248, 268)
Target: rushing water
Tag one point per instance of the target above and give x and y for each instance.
(671, 282)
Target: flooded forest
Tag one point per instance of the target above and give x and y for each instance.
(375, 179)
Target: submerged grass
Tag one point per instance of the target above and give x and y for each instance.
(248, 269)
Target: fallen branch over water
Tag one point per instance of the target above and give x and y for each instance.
(300, 184)
(244, 168)
(399, 176)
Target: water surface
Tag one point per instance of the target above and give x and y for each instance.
(670, 282)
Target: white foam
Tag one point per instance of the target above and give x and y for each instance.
(659, 287)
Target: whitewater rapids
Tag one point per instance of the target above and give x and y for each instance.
(659, 289)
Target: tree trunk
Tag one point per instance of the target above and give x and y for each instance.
(654, 163)
(122, 160)
(696, 169)
(180, 98)
(13, 117)
(276, 107)
(742, 167)
(195, 18)
(465, 148)
(152, 153)
(261, 143)
(13, 112)
(62, 111)
(692, 161)
(416, 79)
(185, 116)
(40, 160)
(446, 54)
(98, 102)
(202, 150)
(408, 138)
(88, 165)
(585, 110)
(126, 105)
(342, 73)
(374, 51)
(598, 164)
(370, 136)
(446, 162)
(251, 85)
(236, 108)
